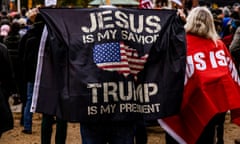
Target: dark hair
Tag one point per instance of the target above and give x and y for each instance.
(235, 15)
(38, 18)
(4, 13)
(15, 27)
(23, 11)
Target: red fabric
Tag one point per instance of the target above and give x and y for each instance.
(208, 91)
(227, 40)
(145, 4)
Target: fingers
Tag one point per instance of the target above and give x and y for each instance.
(181, 13)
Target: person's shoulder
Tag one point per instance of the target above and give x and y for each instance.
(29, 34)
(194, 37)
(3, 46)
(220, 43)
(32, 41)
(32, 38)
(13, 37)
(238, 29)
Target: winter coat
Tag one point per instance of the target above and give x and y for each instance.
(7, 87)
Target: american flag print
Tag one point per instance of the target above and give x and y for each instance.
(118, 57)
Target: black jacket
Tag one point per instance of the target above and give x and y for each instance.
(7, 87)
(29, 46)
(28, 51)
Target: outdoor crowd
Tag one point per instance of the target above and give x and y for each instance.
(20, 36)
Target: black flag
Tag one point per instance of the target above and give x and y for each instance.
(111, 64)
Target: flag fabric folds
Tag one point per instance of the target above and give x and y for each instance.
(212, 86)
(113, 64)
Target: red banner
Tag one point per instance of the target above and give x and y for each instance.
(212, 86)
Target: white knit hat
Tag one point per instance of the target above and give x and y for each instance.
(4, 30)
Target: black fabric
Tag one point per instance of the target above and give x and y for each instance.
(31, 48)
(6, 120)
(47, 127)
(70, 76)
(28, 53)
(236, 57)
(6, 73)
(30, 58)
(12, 42)
(7, 87)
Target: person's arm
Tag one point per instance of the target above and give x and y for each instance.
(182, 15)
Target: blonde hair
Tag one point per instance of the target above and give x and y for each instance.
(200, 22)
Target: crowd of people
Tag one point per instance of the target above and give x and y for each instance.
(20, 39)
(19, 43)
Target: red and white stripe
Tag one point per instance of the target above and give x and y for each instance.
(130, 62)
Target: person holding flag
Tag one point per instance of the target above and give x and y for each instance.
(211, 83)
